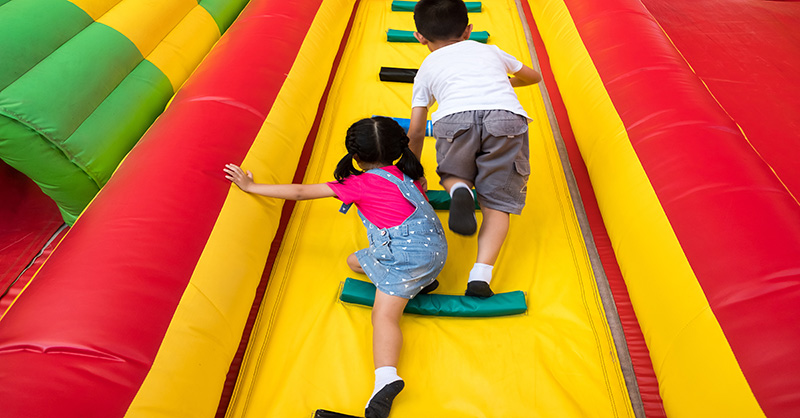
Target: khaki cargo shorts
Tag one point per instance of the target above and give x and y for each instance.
(489, 148)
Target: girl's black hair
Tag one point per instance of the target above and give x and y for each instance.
(378, 140)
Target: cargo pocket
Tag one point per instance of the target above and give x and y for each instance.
(500, 123)
(445, 133)
(449, 131)
(517, 185)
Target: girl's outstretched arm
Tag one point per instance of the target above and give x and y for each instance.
(281, 191)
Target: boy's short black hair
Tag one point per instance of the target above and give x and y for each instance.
(441, 20)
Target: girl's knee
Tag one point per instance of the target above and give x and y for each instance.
(352, 262)
(387, 308)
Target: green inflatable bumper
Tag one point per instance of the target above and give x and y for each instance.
(408, 6)
(440, 199)
(501, 304)
(394, 35)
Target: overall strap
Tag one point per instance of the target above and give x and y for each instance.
(389, 176)
(406, 186)
(411, 193)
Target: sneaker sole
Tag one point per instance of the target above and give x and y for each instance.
(462, 213)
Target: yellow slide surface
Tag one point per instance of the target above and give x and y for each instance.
(309, 350)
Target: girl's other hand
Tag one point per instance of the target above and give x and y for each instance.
(235, 174)
(423, 182)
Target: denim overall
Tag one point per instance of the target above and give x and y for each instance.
(403, 259)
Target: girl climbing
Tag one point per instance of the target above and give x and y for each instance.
(407, 247)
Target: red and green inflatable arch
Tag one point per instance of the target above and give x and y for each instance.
(81, 81)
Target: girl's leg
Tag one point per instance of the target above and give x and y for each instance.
(387, 340)
(352, 262)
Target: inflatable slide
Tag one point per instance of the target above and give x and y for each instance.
(177, 295)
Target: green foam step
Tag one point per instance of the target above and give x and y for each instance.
(408, 6)
(440, 199)
(501, 304)
(394, 35)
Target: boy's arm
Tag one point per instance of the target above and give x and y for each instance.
(525, 77)
(416, 130)
(281, 191)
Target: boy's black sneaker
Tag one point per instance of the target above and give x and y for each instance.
(462, 212)
(478, 288)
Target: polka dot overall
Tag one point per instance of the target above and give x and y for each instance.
(403, 259)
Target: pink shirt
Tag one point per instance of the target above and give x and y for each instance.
(378, 199)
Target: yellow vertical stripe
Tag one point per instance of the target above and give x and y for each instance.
(147, 22)
(696, 369)
(188, 373)
(185, 46)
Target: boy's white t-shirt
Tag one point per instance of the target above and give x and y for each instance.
(467, 75)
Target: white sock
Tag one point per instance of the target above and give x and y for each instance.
(482, 272)
(459, 185)
(383, 376)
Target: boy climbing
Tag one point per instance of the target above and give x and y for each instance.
(480, 127)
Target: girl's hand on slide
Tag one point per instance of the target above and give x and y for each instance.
(235, 174)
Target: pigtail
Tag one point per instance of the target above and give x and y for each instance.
(409, 164)
(345, 168)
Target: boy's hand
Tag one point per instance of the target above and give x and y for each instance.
(238, 176)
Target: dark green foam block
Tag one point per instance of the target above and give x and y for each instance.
(394, 35)
(501, 304)
(400, 75)
(440, 199)
(408, 6)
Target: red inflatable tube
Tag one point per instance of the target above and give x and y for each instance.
(84, 333)
(736, 222)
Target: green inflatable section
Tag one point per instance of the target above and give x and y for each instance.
(76, 95)
(123, 117)
(30, 30)
(52, 100)
(501, 304)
